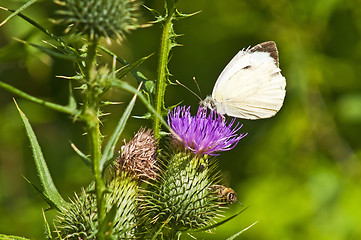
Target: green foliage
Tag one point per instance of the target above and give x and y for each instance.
(9, 237)
(49, 192)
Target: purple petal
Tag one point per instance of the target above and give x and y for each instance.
(205, 133)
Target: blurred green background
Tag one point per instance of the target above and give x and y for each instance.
(299, 172)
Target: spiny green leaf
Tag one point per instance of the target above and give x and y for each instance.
(45, 178)
(179, 15)
(54, 106)
(22, 8)
(12, 237)
(240, 232)
(125, 86)
(156, 14)
(41, 192)
(71, 100)
(81, 155)
(148, 85)
(48, 51)
(65, 47)
(125, 70)
(145, 116)
(221, 222)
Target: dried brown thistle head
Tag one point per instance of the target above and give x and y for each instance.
(139, 156)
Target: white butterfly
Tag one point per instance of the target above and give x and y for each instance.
(251, 86)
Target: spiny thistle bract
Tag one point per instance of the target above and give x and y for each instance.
(80, 220)
(137, 161)
(181, 199)
(110, 19)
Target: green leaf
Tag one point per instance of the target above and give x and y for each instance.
(156, 14)
(22, 8)
(148, 85)
(45, 178)
(64, 46)
(220, 223)
(130, 67)
(179, 15)
(11, 237)
(54, 106)
(109, 148)
(240, 232)
(85, 159)
(71, 101)
(48, 51)
(125, 86)
(145, 116)
(41, 192)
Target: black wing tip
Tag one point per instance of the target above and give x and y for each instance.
(270, 47)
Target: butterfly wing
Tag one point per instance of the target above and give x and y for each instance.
(251, 86)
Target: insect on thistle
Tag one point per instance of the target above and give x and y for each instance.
(225, 194)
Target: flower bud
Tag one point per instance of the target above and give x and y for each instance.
(99, 18)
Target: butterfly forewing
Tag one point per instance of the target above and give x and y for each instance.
(269, 47)
(251, 85)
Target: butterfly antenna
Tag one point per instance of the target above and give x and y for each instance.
(199, 90)
(240, 203)
(188, 89)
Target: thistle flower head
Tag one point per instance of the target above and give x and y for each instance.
(99, 18)
(205, 133)
(139, 155)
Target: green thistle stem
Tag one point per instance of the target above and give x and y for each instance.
(96, 140)
(162, 71)
(90, 60)
(91, 108)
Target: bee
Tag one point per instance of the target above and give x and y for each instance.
(225, 194)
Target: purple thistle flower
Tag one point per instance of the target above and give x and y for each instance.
(205, 133)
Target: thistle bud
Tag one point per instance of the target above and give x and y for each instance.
(99, 18)
(80, 219)
(181, 199)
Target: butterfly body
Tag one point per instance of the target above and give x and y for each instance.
(251, 86)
